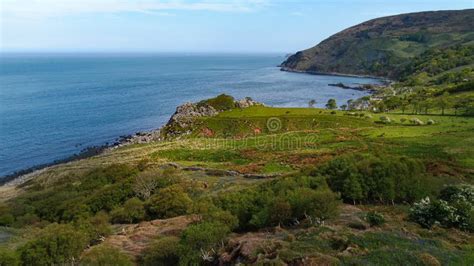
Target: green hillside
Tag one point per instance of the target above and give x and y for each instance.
(383, 46)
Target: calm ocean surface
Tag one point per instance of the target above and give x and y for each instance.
(52, 106)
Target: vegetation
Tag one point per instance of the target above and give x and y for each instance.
(105, 255)
(222, 102)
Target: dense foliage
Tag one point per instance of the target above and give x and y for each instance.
(377, 180)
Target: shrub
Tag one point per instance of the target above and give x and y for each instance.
(403, 120)
(374, 218)
(220, 103)
(57, 244)
(164, 251)
(368, 116)
(209, 212)
(132, 211)
(385, 119)
(8, 258)
(96, 227)
(7, 219)
(169, 202)
(333, 112)
(453, 208)
(430, 122)
(275, 213)
(199, 241)
(105, 255)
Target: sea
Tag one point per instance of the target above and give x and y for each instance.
(55, 105)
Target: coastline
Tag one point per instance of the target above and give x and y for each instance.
(384, 80)
(23, 175)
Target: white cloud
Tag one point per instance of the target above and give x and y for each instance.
(53, 8)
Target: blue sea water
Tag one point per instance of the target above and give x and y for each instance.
(54, 105)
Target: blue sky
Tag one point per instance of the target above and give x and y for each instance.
(189, 26)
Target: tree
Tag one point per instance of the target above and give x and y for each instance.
(352, 189)
(132, 211)
(275, 213)
(145, 184)
(331, 104)
(443, 101)
(343, 107)
(311, 103)
(169, 202)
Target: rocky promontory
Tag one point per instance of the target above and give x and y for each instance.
(182, 121)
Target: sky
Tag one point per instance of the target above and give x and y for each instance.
(222, 26)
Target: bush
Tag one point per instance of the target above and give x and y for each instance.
(133, 211)
(164, 251)
(169, 202)
(220, 103)
(8, 258)
(333, 112)
(430, 122)
(374, 218)
(403, 120)
(385, 119)
(57, 244)
(96, 227)
(376, 180)
(105, 255)
(211, 213)
(453, 208)
(368, 117)
(201, 239)
(7, 219)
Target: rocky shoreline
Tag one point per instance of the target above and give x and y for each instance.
(181, 118)
(287, 69)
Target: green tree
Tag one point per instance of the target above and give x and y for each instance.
(443, 101)
(132, 211)
(352, 189)
(311, 103)
(331, 104)
(169, 202)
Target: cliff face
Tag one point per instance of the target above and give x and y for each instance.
(379, 46)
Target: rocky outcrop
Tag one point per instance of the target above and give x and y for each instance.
(185, 114)
(182, 121)
(246, 102)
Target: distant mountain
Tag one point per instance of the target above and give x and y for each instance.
(385, 46)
